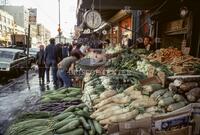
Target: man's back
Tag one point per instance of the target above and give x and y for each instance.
(51, 52)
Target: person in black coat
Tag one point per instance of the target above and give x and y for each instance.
(41, 63)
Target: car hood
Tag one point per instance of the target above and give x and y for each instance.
(5, 61)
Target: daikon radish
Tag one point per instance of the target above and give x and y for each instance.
(107, 94)
(116, 112)
(105, 107)
(146, 102)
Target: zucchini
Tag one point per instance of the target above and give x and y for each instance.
(34, 129)
(63, 122)
(98, 127)
(166, 101)
(175, 106)
(73, 93)
(83, 113)
(81, 105)
(78, 131)
(70, 99)
(84, 123)
(70, 126)
(70, 109)
(63, 116)
(92, 130)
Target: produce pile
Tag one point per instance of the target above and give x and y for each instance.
(58, 112)
(188, 86)
(165, 56)
(124, 61)
(144, 66)
(186, 64)
(136, 102)
(117, 81)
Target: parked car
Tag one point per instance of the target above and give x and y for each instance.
(13, 61)
(33, 52)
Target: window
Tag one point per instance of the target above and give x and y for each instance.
(0, 27)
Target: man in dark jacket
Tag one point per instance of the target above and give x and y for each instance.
(51, 60)
(40, 62)
(65, 50)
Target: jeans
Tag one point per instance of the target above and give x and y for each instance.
(65, 77)
(53, 64)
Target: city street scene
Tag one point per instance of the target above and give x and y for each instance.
(99, 67)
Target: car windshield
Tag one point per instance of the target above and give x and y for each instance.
(6, 55)
(33, 50)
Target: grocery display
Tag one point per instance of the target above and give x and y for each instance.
(115, 95)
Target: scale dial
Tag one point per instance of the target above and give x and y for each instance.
(93, 19)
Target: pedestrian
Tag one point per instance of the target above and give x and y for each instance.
(59, 51)
(65, 50)
(51, 60)
(78, 50)
(64, 68)
(41, 63)
(70, 49)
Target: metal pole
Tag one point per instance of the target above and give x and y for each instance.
(27, 47)
(59, 32)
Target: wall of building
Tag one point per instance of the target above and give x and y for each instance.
(6, 27)
(20, 14)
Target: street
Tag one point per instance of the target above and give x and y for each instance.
(17, 95)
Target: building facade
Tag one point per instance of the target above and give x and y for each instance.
(6, 27)
(43, 34)
(20, 14)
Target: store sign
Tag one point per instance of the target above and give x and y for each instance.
(86, 31)
(32, 16)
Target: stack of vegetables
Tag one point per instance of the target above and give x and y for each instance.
(126, 60)
(118, 82)
(186, 64)
(165, 56)
(75, 120)
(57, 115)
(143, 66)
(188, 86)
(136, 102)
(58, 100)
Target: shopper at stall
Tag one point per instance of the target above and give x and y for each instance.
(41, 63)
(65, 66)
(147, 44)
(65, 50)
(77, 49)
(51, 59)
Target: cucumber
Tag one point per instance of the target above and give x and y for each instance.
(73, 93)
(82, 105)
(70, 126)
(98, 127)
(70, 109)
(86, 109)
(83, 113)
(63, 122)
(63, 116)
(92, 130)
(78, 131)
(70, 99)
(84, 123)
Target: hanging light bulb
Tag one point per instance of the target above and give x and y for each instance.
(183, 12)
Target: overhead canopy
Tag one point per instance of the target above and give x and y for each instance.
(120, 4)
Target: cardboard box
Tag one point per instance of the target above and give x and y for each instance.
(181, 131)
(171, 120)
(136, 124)
(196, 117)
(113, 128)
(133, 132)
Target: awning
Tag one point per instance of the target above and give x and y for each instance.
(120, 4)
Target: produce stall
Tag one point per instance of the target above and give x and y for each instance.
(135, 93)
